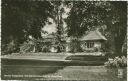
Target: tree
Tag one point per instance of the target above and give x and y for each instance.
(85, 16)
(57, 16)
(118, 26)
(20, 19)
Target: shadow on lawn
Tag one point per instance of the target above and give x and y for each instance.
(25, 69)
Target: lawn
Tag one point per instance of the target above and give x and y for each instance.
(56, 56)
(37, 56)
(38, 66)
(54, 70)
(98, 73)
(28, 67)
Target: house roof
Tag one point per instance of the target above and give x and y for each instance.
(93, 35)
(51, 37)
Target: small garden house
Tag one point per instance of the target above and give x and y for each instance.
(93, 41)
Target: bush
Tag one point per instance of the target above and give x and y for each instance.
(75, 46)
(117, 62)
(30, 45)
(9, 48)
(27, 47)
(110, 54)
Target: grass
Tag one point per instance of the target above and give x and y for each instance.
(56, 70)
(67, 59)
(86, 58)
(28, 67)
(87, 73)
(56, 56)
(59, 56)
(60, 73)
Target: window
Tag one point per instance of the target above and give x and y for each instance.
(85, 45)
(89, 44)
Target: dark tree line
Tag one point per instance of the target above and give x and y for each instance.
(23, 18)
(109, 17)
(20, 19)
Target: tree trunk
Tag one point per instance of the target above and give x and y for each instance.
(59, 29)
(118, 45)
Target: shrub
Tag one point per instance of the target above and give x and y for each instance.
(27, 47)
(31, 45)
(75, 46)
(9, 48)
(110, 54)
(117, 62)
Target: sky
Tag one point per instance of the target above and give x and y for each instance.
(50, 27)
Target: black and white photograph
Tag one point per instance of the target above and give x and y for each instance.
(64, 40)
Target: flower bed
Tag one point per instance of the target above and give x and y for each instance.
(119, 64)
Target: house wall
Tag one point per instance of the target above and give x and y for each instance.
(95, 47)
(67, 48)
(97, 44)
(53, 49)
